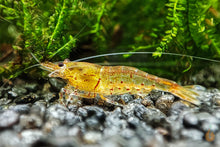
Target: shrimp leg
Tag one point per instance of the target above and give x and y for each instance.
(67, 95)
(70, 95)
(110, 101)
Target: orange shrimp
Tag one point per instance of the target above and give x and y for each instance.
(87, 80)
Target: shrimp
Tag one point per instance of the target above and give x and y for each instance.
(87, 80)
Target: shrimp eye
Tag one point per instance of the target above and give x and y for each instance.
(60, 64)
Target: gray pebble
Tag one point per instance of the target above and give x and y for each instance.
(175, 128)
(144, 131)
(29, 98)
(134, 142)
(116, 119)
(127, 133)
(19, 90)
(114, 141)
(82, 112)
(216, 114)
(112, 131)
(217, 139)
(109, 143)
(8, 118)
(127, 110)
(147, 102)
(50, 125)
(31, 136)
(206, 97)
(216, 99)
(156, 140)
(177, 108)
(57, 142)
(126, 98)
(74, 131)
(92, 137)
(50, 97)
(95, 111)
(93, 116)
(190, 120)
(133, 122)
(208, 122)
(56, 111)
(139, 100)
(71, 119)
(12, 95)
(32, 87)
(30, 121)
(150, 115)
(73, 108)
(21, 108)
(38, 108)
(164, 102)
(205, 116)
(61, 131)
(192, 134)
(154, 94)
(189, 143)
(10, 138)
(92, 123)
(139, 111)
(82, 127)
(5, 101)
(207, 126)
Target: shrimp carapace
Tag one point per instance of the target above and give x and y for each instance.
(87, 80)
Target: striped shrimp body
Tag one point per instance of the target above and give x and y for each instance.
(87, 80)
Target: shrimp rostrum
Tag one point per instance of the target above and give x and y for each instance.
(87, 80)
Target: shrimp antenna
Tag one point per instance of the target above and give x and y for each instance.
(35, 58)
(122, 53)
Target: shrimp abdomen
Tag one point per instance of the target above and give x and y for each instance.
(123, 79)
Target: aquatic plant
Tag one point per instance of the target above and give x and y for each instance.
(48, 29)
(192, 26)
(55, 30)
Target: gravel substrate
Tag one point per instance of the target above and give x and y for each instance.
(30, 115)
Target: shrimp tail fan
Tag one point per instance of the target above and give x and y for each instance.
(186, 94)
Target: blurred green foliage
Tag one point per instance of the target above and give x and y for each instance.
(57, 29)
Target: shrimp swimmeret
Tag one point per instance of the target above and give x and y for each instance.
(87, 80)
